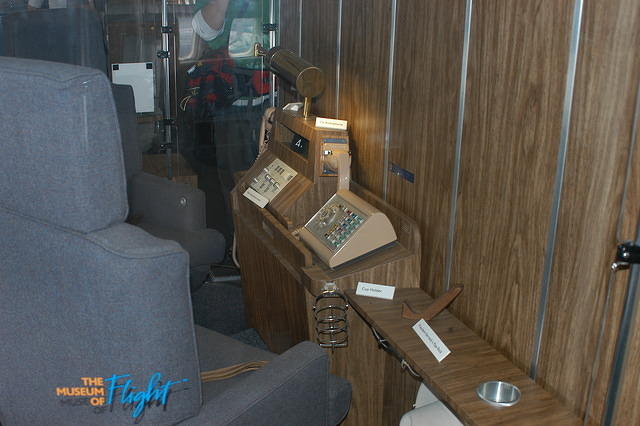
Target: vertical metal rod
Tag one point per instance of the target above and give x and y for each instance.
(272, 42)
(387, 131)
(557, 197)
(166, 108)
(306, 107)
(458, 152)
(173, 64)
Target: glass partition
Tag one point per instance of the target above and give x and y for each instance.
(200, 92)
(204, 126)
(222, 91)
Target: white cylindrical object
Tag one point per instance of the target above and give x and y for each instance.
(428, 411)
(434, 414)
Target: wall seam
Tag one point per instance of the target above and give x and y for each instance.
(387, 131)
(557, 194)
(455, 177)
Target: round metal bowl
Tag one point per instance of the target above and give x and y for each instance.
(499, 394)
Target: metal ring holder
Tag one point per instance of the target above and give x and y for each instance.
(384, 345)
(330, 314)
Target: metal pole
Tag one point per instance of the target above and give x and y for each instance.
(272, 42)
(166, 89)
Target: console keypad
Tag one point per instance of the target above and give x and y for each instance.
(341, 230)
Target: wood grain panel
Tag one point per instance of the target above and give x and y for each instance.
(627, 409)
(290, 123)
(516, 75)
(423, 122)
(601, 372)
(319, 46)
(364, 67)
(274, 300)
(471, 362)
(628, 403)
(400, 391)
(600, 135)
(367, 384)
(289, 32)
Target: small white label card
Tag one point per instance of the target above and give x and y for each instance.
(375, 290)
(256, 197)
(331, 123)
(431, 340)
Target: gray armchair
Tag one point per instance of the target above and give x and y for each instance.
(164, 208)
(95, 314)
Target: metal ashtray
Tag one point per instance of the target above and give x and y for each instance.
(500, 394)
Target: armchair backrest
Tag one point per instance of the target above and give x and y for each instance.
(126, 107)
(87, 302)
(62, 162)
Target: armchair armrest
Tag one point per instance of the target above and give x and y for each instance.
(294, 388)
(165, 203)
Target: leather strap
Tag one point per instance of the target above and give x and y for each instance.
(230, 371)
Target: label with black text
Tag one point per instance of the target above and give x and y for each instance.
(375, 290)
(431, 340)
(331, 123)
(256, 197)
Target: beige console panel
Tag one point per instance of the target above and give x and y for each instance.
(345, 228)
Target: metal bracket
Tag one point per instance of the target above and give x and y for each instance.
(267, 28)
(626, 255)
(166, 30)
(163, 54)
(168, 121)
(384, 345)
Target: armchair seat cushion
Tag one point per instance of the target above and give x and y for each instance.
(205, 246)
(210, 356)
(304, 365)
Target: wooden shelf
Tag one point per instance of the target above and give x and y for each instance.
(472, 361)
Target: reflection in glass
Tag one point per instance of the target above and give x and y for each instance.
(222, 92)
(218, 89)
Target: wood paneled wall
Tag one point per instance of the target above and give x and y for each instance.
(511, 133)
(289, 38)
(319, 46)
(364, 63)
(430, 75)
(606, 82)
(517, 66)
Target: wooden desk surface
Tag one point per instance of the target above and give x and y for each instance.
(472, 361)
